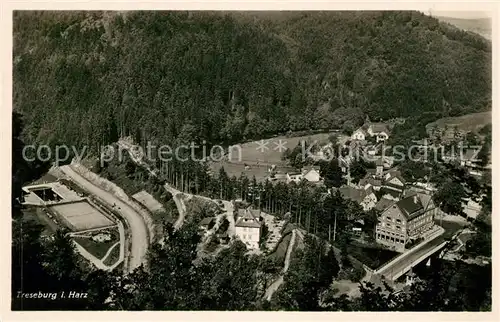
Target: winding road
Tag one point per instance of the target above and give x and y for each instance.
(138, 229)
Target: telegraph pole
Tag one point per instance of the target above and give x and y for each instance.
(334, 226)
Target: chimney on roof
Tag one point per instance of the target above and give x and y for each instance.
(415, 198)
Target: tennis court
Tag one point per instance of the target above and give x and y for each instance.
(81, 216)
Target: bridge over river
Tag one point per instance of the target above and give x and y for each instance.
(404, 262)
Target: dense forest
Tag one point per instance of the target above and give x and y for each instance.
(88, 77)
(233, 279)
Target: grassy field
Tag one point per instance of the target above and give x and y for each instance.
(259, 157)
(467, 123)
(98, 249)
(113, 256)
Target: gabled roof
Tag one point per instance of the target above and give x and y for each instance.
(379, 127)
(254, 212)
(409, 206)
(392, 186)
(394, 174)
(206, 221)
(425, 198)
(362, 130)
(353, 194)
(368, 190)
(393, 193)
(307, 169)
(248, 218)
(370, 180)
(383, 204)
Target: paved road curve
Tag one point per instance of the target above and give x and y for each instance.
(138, 229)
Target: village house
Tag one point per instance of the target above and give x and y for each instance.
(308, 173)
(379, 130)
(345, 162)
(248, 227)
(471, 208)
(405, 220)
(311, 174)
(390, 194)
(373, 177)
(369, 179)
(393, 180)
(294, 177)
(359, 135)
(366, 198)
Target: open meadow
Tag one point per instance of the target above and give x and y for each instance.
(467, 123)
(257, 156)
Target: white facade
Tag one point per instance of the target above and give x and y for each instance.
(382, 136)
(295, 177)
(312, 175)
(358, 135)
(471, 208)
(249, 235)
(369, 202)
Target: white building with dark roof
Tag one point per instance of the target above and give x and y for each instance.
(248, 227)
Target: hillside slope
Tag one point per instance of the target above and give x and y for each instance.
(480, 26)
(84, 78)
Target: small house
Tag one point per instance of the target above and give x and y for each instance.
(379, 130)
(294, 177)
(359, 135)
(311, 174)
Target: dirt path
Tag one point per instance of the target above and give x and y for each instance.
(179, 203)
(138, 229)
(276, 284)
(109, 251)
(99, 263)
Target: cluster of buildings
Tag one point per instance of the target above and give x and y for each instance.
(379, 131)
(310, 174)
(406, 210)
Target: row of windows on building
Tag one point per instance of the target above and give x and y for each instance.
(245, 236)
(397, 227)
(398, 221)
(420, 221)
(391, 239)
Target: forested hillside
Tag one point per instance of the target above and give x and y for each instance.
(88, 77)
